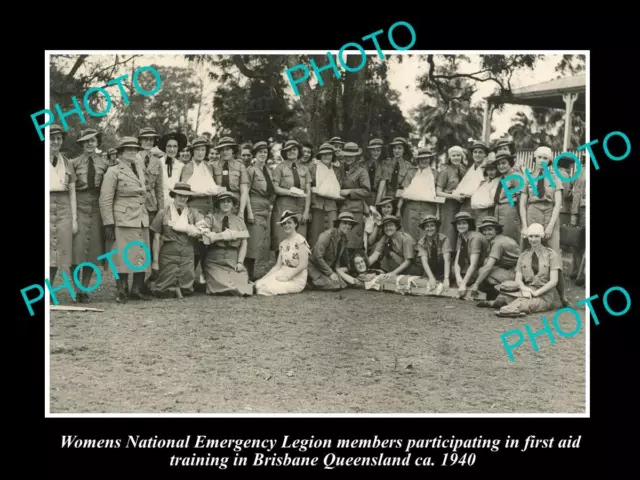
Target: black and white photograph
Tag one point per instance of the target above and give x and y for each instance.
(237, 233)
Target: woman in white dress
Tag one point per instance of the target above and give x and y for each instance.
(289, 274)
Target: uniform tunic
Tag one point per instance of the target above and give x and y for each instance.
(548, 261)
(329, 254)
(375, 172)
(324, 211)
(395, 250)
(539, 210)
(222, 258)
(474, 243)
(230, 174)
(283, 178)
(424, 248)
(61, 216)
(505, 250)
(259, 242)
(355, 177)
(413, 211)
(289, 255)
(448, 180)
(506, 214)
(393, 172)
(176, 252)
(88, 243)
(155, 184)
(123, 204)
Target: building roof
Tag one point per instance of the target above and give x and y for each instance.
(547, 94)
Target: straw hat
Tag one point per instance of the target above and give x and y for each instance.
(351, 150)
(90, 133)
(345, 217)
(227, 194)
(429, 219)
(286, 215)
(180, 188)
(128, 142)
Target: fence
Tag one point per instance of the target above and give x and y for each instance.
(524, 158)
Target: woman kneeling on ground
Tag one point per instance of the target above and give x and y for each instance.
(537, 275)
(289, 274)
(358, 272)
(173, 260)
(329, 253)
(224, 269)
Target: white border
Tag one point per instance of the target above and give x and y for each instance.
(587, 325)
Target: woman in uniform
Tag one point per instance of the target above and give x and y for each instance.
(261, 197)
(290, 173)
(355, 188)
(171, 144)
(63, 215)
(505, 213)
(483, 201)
(224, 268)
(394, 169)
(122, 205)
(395, 250)
(324, 210)
(89, 243)
(372, 164)
(446, 183)
(173, 261)
(541, 203)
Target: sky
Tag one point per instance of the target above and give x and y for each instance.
(402, 77)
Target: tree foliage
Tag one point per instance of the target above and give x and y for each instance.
(545, 127)
(254, 102)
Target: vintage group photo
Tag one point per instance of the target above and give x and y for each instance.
(351, 250)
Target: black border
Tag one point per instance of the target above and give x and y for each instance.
(612, 261)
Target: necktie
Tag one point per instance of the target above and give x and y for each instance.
(179, 211)
(169, 163)
(394, 176)
(55, 161)
(267, 177)
(496, 197)
(133, 168)
(535, 263)
(91, 174)
(146, 161)
(463, 260)
(541, 188)
(388, 248)
(225, 223)
(372, 175)
(225, 175)
(338, 252)
(433, 251)
(296, 176)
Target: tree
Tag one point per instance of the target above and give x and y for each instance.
(355, 106)
(545, 127)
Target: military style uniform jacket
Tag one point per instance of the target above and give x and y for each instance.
(123, 196)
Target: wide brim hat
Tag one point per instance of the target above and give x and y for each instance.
(345, 217)
(385, 200)
(391, 218)
(464, 216)
(112, 151)
(481, 145)
(326, 148)
(225, 142)
(336, 140)
(351, 150)
(426, 152)
(56, 129)
(177, 136)
(90, 133)
(181, 188)
(286, 215)
(147, 132)
(489, 222)
(291, 144)
(491, 162)
(227, 194)
(399, 141)
(128, 142)
(375, 143)
(200, 142)
(429, 219)
(505, 143)
(505, 156)
(259, 146)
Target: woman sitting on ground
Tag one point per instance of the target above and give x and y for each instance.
(289, 274)
(329, 253)
(537, 273)
(433, 253)
(358, 272)
(395, 250)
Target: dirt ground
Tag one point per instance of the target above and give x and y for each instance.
(349, 352)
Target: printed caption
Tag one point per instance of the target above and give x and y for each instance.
(328, 454)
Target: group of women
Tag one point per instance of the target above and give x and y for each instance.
(335, 217)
